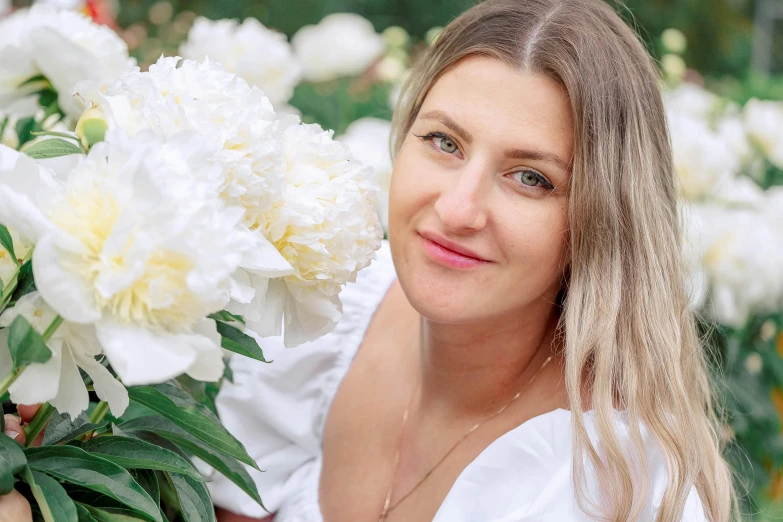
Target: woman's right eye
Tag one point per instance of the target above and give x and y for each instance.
(441, 142)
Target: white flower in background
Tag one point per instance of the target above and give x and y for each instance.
(5, 7)
(741, 253)
(773, 207)
(239, 122)
(58, 380)
(328, 230)
(688, 98)
(65, 47)
(703, 161)
(368, 139)
(137, 244)
(731, 129)
(743, 192)
(764, 124)
(342, 44)
(261, 56)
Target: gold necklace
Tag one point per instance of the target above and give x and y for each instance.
(387, 506)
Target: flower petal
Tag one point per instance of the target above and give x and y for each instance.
(271, 305)
(72, 397)
(141, 356)
(209, 364)
(265, 260)
(310, 317)
(18, 213)
(39, 382)
(106, 386)
(64, 291)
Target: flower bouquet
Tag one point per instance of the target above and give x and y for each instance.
(152, 224)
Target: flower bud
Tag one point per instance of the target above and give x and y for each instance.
(91, 127)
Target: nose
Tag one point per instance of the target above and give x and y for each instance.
(462, 205)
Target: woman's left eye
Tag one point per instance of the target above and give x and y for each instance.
(531, 178)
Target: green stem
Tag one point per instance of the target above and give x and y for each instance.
(9, 380)
(56, 322)
(38, 423)
(8, 289)
(97, 416)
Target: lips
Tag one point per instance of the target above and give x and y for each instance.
(452, 246)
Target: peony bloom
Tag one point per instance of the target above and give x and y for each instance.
(368, 139)
(690, 99)
(342, 44)
(58, 380)
(65, 47)
(740, 253)
(261, 56)
(327, 228)
(764, 124)
(702, 159)
(136, 243)
(238, 122)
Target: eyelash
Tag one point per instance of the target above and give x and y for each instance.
(544, 183)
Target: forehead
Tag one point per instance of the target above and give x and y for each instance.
(492, 100)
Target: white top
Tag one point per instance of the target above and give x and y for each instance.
(278, 412)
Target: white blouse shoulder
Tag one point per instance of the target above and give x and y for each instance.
(278, 412)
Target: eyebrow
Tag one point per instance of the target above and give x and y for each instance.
(523, 154)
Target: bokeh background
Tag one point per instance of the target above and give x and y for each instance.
(722, 71)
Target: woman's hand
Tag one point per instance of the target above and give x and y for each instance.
(13, 424)
(13, 506)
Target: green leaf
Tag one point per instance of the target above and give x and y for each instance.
(25, 282)
(52, 148)
(58, 134)
(227, 466)
(84, 513)
(227, 317)
(46, 97)
(34, 79)
(180, 408)
(133, 453)
(236, 341)
(12, 462)
(149, 481)
(24, 129)
(76, 466)
(53, 501)
(62, 429)
(193, 497)
(99, 515)
(8, 243)
(26, 345)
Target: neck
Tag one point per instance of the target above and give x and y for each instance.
(470, 369)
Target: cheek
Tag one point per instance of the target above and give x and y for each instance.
(408, 192)
(535, 241)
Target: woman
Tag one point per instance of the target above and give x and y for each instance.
(527, 352)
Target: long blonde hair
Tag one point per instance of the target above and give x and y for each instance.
(627, 327)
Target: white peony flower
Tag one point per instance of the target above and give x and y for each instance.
(741, 253)
(239, 122)
(703, 161)
(764, 124)
(369, 141)
(137, 244)
(58, 381)
(690, 99)
(261, 56)
(342, 44)
(65, 47)
(328, 230)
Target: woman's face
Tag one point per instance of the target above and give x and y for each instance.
(484, 170)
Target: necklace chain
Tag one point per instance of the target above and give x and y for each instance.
(387, 505)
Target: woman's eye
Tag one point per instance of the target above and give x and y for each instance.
(531, 178)
(445, 144)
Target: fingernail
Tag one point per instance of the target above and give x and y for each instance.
(11, 433)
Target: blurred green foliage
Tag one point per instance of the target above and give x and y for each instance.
(719, 31)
